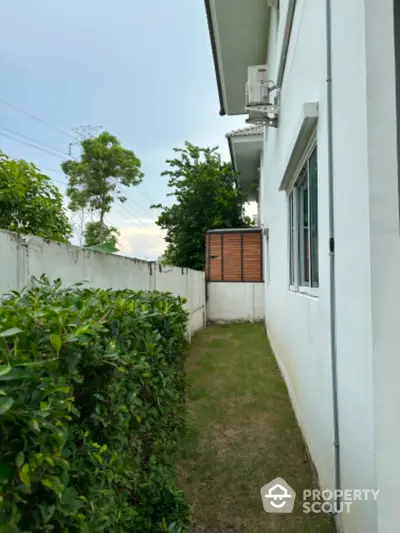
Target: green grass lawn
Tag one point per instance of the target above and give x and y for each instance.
(242, 434)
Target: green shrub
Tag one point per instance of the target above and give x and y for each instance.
(92, 406)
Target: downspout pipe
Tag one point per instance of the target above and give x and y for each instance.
(332, 276)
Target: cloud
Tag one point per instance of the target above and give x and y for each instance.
(142, 243)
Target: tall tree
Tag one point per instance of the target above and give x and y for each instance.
(95, 181)
(30, 203)
(206, 198)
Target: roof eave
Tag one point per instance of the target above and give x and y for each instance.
(222, 110)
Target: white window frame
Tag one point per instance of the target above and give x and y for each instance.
(292, 241)
(293, 192)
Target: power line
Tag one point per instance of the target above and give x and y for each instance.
(51, 170)
(58, 181)
(145, 196)
(147, 226)
(33, 117)
(130, 214)
(140, 208)
(33, 146)
(33, 140)
(125, 206)
(127, 190)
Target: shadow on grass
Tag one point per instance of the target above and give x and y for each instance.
(242, 434)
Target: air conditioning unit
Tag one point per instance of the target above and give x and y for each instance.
(259, 104)
(257, 86)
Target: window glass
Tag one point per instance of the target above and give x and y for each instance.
(303, 226)
(313, 181)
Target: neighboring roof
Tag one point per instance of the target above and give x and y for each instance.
(252, 130)
(245, 145)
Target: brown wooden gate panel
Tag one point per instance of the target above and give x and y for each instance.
(215, 257)
(252, 257)
(234, 255)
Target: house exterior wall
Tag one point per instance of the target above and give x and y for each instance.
(367, 249)
(384, 235)
(304, 354)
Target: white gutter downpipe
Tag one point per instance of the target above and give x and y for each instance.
(332, 276)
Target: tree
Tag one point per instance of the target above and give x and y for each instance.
(30, 203)
(206, 198)
(95, 233)
(164, 260)
(95, 181)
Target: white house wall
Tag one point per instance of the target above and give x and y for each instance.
(384, 244)
(353, 260)
(367, 250)
(304, 353)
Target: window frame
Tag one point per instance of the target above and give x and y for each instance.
(292, 200)
(296, 235)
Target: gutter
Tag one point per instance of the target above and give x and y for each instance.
(222, 111)
(286, 41)
(332, 275)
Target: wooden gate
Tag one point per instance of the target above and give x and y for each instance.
(234, 255)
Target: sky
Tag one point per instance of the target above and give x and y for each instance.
(141, 70)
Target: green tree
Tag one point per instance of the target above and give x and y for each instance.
(30, 203)
(163, 259)
(95, 182)
(95, 233)
(206, 198)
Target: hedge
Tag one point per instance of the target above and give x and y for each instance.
(92, 407)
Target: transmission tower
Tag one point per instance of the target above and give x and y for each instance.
(82, 133)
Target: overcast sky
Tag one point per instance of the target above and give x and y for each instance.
(142, 70)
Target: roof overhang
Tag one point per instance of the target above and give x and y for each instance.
(245, 147)
(239, 38)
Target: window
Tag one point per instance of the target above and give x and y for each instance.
(303, 226)
(291, 238)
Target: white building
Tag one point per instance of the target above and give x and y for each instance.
(329, 204)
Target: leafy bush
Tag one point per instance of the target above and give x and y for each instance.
(30, 203)
(92, 406)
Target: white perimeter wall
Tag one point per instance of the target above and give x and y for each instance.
(235, 302)
(24, 257)
(367, 250)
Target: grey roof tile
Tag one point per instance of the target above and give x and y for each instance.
(252, 130)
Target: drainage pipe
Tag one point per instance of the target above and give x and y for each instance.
(332, 277)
